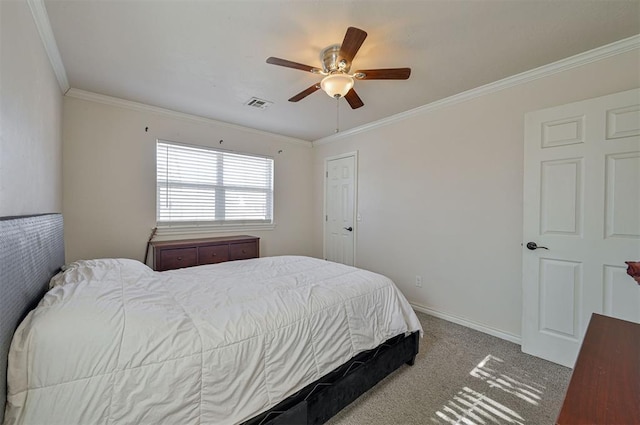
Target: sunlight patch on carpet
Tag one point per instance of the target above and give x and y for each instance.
(471, 407)
(489, 370)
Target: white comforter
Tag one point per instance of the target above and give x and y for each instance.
(114, 342)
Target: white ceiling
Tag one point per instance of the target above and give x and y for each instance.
(207, 58)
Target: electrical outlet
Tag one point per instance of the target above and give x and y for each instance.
(419, 281)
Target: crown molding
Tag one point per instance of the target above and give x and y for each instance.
(581, 59)
(142, 107)
(41, 18)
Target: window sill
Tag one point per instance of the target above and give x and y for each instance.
(191, 230)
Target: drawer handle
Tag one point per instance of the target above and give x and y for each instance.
(214, 254)
(244, 252)
(179, 258)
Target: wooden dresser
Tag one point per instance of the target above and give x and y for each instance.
(605, 384)
(169, 255)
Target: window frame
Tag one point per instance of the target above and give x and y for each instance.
(167, 227)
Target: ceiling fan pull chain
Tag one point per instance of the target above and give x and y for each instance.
(337, 114)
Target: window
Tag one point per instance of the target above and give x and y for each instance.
(204, 186)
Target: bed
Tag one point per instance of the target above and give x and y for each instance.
(271, 340)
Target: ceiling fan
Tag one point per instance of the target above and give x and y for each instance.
(336, 64)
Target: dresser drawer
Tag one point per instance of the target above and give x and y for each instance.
(213, 254)
(177, 258)
(241, 251)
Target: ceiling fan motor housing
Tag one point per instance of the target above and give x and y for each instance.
(331, 62)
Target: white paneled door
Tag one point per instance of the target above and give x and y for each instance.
(340, 194)
(582, 211)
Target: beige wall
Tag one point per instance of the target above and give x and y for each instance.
(440, 194)
(110, 187)
(30, 118)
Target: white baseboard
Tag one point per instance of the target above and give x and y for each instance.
(469, 324)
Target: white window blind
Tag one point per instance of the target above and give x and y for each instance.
(197, 185)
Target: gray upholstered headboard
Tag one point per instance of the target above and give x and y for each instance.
(31, 252)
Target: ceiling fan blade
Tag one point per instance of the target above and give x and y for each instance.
(304, 93)
(353, 39)
(383, 74)
(354, 100)
(294, 65)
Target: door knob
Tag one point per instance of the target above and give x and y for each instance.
(533, 246)
(348, 228)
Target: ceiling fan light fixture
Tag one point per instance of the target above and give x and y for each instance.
(337, 85)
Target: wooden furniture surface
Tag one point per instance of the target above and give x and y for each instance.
(169, 255)
(605, 384)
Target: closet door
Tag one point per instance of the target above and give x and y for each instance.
(340, 209)
(582, 211)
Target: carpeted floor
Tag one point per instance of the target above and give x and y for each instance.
(462, 376)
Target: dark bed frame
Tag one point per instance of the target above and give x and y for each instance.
(32, 251)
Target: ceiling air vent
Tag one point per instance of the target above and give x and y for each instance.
(254, 102)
